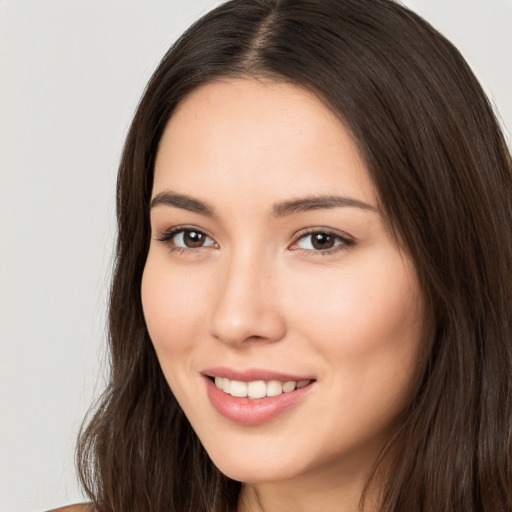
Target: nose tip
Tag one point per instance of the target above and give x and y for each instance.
(246, 327)
(247, 309)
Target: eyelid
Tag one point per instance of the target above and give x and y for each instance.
(167, 235)
(346, 240)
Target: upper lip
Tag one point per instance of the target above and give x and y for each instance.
(252, 374)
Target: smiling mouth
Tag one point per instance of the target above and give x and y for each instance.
(258, 388)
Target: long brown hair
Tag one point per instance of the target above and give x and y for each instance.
(443, 174)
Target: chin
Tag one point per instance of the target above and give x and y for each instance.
(246, 470)
(258, 462)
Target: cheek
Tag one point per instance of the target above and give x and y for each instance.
(367, 316)
(366, 323)
(173, 303)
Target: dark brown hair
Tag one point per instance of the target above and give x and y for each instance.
(443, 173)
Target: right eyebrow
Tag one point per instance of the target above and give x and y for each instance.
(309, 203)
(181, 201)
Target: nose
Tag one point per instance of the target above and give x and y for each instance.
(247, 305)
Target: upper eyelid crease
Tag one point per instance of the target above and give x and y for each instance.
(178, 229)
(346, 239)
(169, 234)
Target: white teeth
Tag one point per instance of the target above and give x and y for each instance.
(226, 385)
(258, 388)
(238, 388)
(274, 388)
(289, 386)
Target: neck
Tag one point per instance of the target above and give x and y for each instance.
(310, 493)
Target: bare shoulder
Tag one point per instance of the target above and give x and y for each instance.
(81, 507)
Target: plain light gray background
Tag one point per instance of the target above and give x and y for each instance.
(71, 73)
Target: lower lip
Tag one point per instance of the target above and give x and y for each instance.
(253, 411)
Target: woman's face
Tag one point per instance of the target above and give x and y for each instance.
(271, 273)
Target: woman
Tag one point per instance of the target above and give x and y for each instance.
(311, 308)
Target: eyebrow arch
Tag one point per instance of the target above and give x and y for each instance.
(316, 203)
(182, 201)
(279, 210)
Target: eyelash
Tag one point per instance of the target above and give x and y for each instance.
(344, 240)
(167, 238)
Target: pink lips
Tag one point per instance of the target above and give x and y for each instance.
(252, 411)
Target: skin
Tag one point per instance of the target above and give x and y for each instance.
(258, 294)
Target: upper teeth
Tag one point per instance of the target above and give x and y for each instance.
(258, 388)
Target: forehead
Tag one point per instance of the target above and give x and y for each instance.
(264, 134)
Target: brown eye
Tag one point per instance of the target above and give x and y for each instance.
(194, 238)
(187, 239)
(322, 241)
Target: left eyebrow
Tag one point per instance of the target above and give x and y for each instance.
(318, 202)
